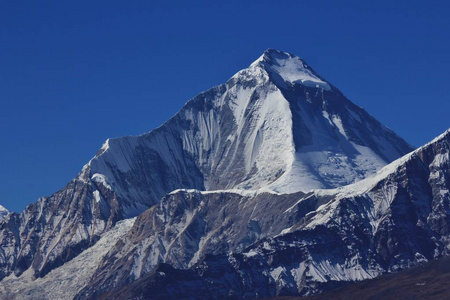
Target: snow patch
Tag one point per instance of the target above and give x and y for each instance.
(100, 178)
(275, 273)
(97, 196)
(3, 212)
(251, 253)
(246, 193)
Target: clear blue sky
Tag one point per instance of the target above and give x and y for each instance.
(73, 73)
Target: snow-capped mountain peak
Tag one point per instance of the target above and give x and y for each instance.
(290, 69)
(277, 122)
(275, 125)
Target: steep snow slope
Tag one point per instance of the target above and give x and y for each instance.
(336, 142)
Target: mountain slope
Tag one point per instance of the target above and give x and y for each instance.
(189, 224)
(274, 125)
(336, 142)
(392, 221)
(65, 281)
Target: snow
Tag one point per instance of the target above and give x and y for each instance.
(298, 272)
(298, 176)
(241, 192)
(338, 122)
(367, 184)
(104, 148)
(100, 178)
(438, 138)
(420, 258)
(292, 69)
(328, 163)
(251, 253)
(321, 269)
(3, 212)
(380, 202)
(275, 273)
(240, 95)
(268, 145)
(116, 152)
(261, 141)
(97, 196)
(325, 270)
(440, 159)
(66, 281)
(153, 258)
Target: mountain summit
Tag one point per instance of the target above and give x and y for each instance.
(290, 69)
(276, 126)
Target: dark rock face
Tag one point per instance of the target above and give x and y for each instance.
(276, 126)
(384, 224)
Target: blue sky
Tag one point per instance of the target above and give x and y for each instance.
(73, 73)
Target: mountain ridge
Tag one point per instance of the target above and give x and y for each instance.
(275, 127)
(397, 222)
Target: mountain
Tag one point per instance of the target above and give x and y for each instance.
(65, 281)
(389, 222)
(275, 124)
(275, 127)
